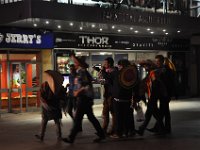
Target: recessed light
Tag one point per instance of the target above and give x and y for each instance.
(178, 31)
(164, 30)
(81, 28)
(100, 29)
(152, 32)
(93, 25)
(119, 30)
(148, 29)
(35, 25)
(59, 26)
(47, 22)
(131, 28)
(71, 23)
(166, 33)
(136, 31)
(113, 27)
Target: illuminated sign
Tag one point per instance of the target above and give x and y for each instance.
(92, 41)
(26, 39)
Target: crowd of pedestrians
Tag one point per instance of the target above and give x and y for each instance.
(120, 98)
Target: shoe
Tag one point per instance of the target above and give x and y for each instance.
(140, 132)
(39, 137)
(110, 131)
(99, 139)
(154, 130)
(131, 133)
(67, 140)
(115, 136)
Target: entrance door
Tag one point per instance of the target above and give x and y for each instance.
(16, 88)
(3, 93)
(33, 76)
(3, 83)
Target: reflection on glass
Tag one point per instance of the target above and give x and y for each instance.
(16, 76)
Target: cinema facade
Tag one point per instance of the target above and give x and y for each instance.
(32, 41)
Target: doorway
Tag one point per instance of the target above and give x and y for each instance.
(20, 82)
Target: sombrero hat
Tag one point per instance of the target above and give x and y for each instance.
(81, 60)
(55, 80)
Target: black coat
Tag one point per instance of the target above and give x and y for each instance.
(50, 103)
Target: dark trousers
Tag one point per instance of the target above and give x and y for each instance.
(84, 106)
(71, 106)
(152, 109)
(165, 113)
(107, 110)
(123, 117)
(44, 125)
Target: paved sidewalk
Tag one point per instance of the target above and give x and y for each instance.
(17, 132)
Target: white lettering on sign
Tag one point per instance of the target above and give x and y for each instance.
(143, 45)
(23, 38)
(94, 40)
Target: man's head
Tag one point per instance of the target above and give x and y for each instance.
(159, 60)
(108, 62)
(123, 63)
(80, 62)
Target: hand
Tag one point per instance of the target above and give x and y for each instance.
(76, 93)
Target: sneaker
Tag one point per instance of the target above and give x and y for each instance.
(39, 137)
(67, 140)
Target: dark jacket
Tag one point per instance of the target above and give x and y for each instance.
(118, 91)
(108, 82)
(50, 103)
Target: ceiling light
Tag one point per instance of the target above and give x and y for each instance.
(178, 31)
(119, 30)
(35, 25)
(113, 27)
(71, 24)
(93, 25)
(152, 32)
(131, 28)
(59, 26)
(100, 29)
(102, 53)
(148, 29)
(81, 28)
(164, 30)
(166, 33)
(136, 31)
(47, 22)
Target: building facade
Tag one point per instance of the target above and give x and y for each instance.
(36, 35)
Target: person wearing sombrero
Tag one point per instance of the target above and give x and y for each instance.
(52, 93)
(83, 91)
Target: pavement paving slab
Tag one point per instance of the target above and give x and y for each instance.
(17, 132)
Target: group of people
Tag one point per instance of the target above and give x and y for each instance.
(119, 100)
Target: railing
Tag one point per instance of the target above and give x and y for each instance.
(180, 7)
